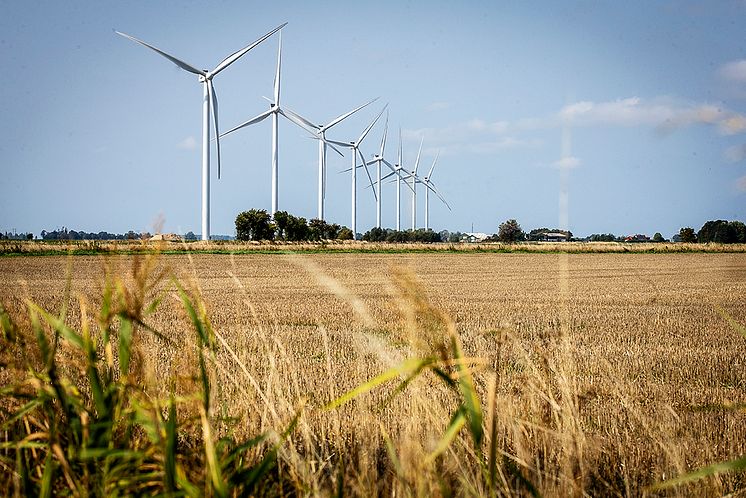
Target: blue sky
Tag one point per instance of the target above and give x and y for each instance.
(99, 133)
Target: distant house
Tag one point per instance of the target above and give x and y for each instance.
(473, 237)
(170, 237)
(555, 237)
(637, 238)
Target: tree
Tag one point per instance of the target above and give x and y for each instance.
(658, 237)
(740, 230)
(687, 234)
(510, 232)
(281, 219)
(717, 231)
(296, 228)
(254, 224)
(344, 234)
(375, 234)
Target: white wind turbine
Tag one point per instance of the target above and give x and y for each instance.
(355, 148)
(377, 160)
(319, 132)
(413, 177)
(209, 106)
(397, 169)
(428, 183)
(274, 110)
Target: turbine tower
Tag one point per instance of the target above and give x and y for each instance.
(319, 132)
(275, 110)
(396, 170)
(413, 186)
(377, 160)
(355, 148)
(428, 183)
(209, 106)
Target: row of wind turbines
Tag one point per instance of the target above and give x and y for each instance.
(318, 131)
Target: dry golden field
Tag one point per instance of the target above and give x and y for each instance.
(602, 374)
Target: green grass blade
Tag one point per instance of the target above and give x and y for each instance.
(47, 478)
(169, 466)
(391, 451)
(471, 400)
(125, 345)
(736, 465)
(59, 325)
(407, 368)
(731, 321)
(454, 426)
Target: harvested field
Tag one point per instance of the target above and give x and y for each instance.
(603, 373)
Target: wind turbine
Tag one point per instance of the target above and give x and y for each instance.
(428, 183)
(413, 186)
(275, 110)
(377, 160)
(209, 106)
(319, 132)
(355, 148)
(396, 170)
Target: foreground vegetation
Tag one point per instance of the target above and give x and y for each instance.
(507, 374)
(93, 247)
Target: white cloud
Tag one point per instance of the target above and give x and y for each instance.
(736, 154)
(741, 184)
(476, 136)
(189, 143)
(734, 71)
(438, 106)
(569, 162)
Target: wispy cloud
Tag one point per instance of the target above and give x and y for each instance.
(663, 113)
(734, 71)
(569, 162)
(741, 184)
(735, 154)
(189, 143)
(476, 136)
(438, 106)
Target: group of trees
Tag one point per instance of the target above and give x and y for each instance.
(65, 234)
(258, 224)
(16, 236)
(720, 231)
(388, 235)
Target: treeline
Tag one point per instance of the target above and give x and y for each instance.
(65, 234)
(719, 231)
(258, 224)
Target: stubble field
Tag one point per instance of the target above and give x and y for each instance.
(598, 374)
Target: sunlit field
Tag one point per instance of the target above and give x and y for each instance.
(593, 374)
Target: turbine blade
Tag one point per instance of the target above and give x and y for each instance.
(346, 115)
(334, 148)
(341, 144)
(277, 75)
(430, 173)
(251, 121)
(388, 176)
(183, 65)
(238, 54)
(301, 123)
(435, 191)
(385, 132)
(391, 166)
(370, 126)
(399, 160)
(367, 172)
(417, 162)
(214, 102)
(298, 119)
